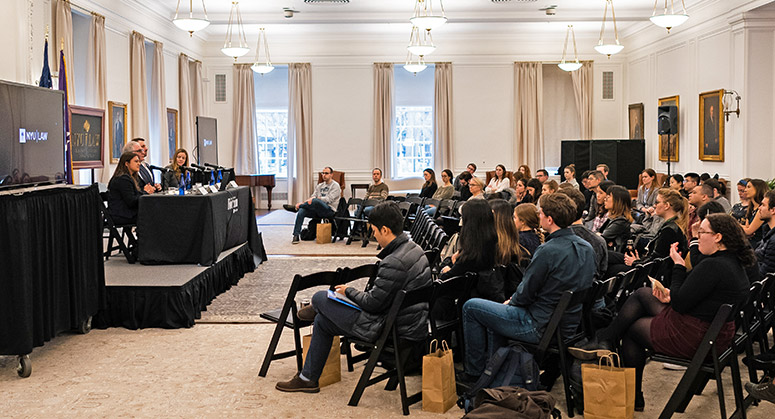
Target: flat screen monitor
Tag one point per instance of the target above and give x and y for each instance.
(32, 135)
(207, 140)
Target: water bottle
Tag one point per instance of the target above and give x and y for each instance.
(212, 178)
(630, 247)
(182, 186)
(188, 180)
(220, 176)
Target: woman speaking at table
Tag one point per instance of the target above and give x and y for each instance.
(124, 190)
(172, 177)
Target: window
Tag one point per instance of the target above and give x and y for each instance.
(412, 148)
(271, 92)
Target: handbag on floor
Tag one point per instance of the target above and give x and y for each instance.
(514, 403)
(438, 379)
(609, 391)
(332, 372)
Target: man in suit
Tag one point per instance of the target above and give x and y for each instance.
(118, 133)
(711, 145)
(145, 173)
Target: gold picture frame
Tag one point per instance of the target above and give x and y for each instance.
(635, 119)
(663, 139)
(712, 126)
(173, 137)
(117, 125)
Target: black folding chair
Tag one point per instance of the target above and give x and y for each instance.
(457, 288)
(122, 235)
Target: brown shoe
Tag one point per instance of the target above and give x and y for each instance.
(297, 384)
(307, 314)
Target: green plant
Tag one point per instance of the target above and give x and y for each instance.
(771, 183)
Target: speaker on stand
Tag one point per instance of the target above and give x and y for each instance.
(667, 124)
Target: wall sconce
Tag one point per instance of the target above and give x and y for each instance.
(727, 103)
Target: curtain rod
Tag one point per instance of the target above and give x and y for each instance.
(83, 9)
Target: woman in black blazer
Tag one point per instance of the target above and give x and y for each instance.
(172, 178)
(124, 190)
(616, 229)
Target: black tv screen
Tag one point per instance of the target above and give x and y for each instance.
(207, 139)
(32, 136)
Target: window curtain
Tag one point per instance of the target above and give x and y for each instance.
(138, 102)
(560, 116)
(299, 131)
(158, 105)
(197, 92)
(245, 156)
(442, 117)
(383, 115)
(63, 38)
(582, 89)
(96, 72)
(185, 116)
(528, 109)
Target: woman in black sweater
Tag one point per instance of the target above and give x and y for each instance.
(673, 321)
(616, 229)
(430, 185)
(124, 190)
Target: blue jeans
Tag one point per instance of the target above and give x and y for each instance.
(430, 210)
(317, 209)
(332, 319)
(487, 325)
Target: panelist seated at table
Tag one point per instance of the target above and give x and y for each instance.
(322, 204)
(124, 189)
(171, 179)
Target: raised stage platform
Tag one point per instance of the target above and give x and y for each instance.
(168, 296)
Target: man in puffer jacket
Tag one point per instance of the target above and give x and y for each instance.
(403, 266)
(765, 253)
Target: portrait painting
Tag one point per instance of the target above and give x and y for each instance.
(636, 121)
(669, 142)
(711, 126)
(173, 142)
(117, 127)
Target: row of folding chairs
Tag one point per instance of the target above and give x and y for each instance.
(429, 236)
(357, 221)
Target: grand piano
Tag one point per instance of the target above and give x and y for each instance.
(252, 181)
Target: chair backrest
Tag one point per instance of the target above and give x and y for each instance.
(431, 201)
(598, 290)
(368, 270)
(445, 207)
(317, 279)
(337, 176)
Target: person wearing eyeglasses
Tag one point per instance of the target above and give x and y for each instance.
(322, 204)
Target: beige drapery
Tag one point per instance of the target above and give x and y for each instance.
(442, 117)
(185, 116)
(96, 65)
(158, 108)
(63, 35)
(299, 132)
(197, 92)
(245, 156)
(582, 89)
(528, 110)
(138, 102)
(383, 115)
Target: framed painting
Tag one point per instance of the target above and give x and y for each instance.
(711, 126)
(117, 123)
(636, 121)
(86, 137)
(173, 142)
(669, 142)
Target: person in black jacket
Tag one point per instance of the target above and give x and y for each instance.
(124, 190)
(403, 266)
(430, 185)
(616, 229)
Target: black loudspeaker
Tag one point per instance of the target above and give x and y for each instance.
(626, 159)
(667, 121)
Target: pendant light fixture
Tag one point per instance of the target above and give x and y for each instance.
(266, 66)
(241, 47)
(669, 20)
(191, 24)
(414, 67)
(609, 49)
(573, 65)
(420, 45)
(424, 16)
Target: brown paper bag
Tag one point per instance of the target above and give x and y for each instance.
(323, 232)
(438, 379)
(609, 391)
(332, 372)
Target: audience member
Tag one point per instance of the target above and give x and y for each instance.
(534, 188)
(699, 196)
(647, 191)
(471, 169)
(549, 187)
(322, 204)
(508, 249)
(499, 182)
(476, 186)
(377, 191)
(704, 177)
(569, 173)
(603, 168)
(585, 188)
(755, 191)
(525, 170)
(765, 252)
(578, 228)
(564, 263)
(403, 266)
(542, 175)
(446, 190)
(465, 192)
(430, 186)
(676, 182)
(521, 194)
(717, 192)
(691, 180)
(616, 229)
(171, 179)
(593, 181)
(674, 321)
(602, 213)
(124, 189)
(740, 208)
(528, 224)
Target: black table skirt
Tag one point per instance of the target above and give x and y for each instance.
(51, 270)
(174, 307)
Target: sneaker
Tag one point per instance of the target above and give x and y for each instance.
(295, 239)
(307, 314)
(296, 384)
(763, 391)
(673, 367)
(591, 350)
(291, 208)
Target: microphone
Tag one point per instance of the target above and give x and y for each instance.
(202, 168)
(161, 169)
(214, 166)
(190, 169)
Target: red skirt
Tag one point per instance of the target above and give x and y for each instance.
(680, 335)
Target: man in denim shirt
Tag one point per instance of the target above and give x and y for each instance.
(322, 204)
(565, 262)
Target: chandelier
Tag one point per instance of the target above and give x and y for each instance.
(669, 20)
(191, 24)
(258, 66)
(424, 17)
(235, 19)
(574, 65)
(609, 49)
(414, 67)
(420, 45)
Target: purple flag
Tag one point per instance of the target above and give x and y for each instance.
(63, 87)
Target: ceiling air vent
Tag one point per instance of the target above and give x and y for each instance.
(514, 1)
(220, 88)
(327, 1)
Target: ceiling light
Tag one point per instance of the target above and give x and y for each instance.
(191, 24)
(414, 67)
(241, 48)
(424, 17)
(609, 49)
(420, 46)
(266, 66)
(571, 66)
(669, 20)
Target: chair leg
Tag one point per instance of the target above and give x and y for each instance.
(565, 371)
(696, 388)
(681, 392)
(737, 389)
(299, 349)
(364, 380)
(278, 330)
(401, 357)
(719, 387)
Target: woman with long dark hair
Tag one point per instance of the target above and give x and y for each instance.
(534, 188)
(752, 227)
(508, 249)
(477, 240)
(499, 182)
(673, 321)
(172, 178)
(430, 186)
(647, 191)
(124, 189)
(616, 229)
(521, 195)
